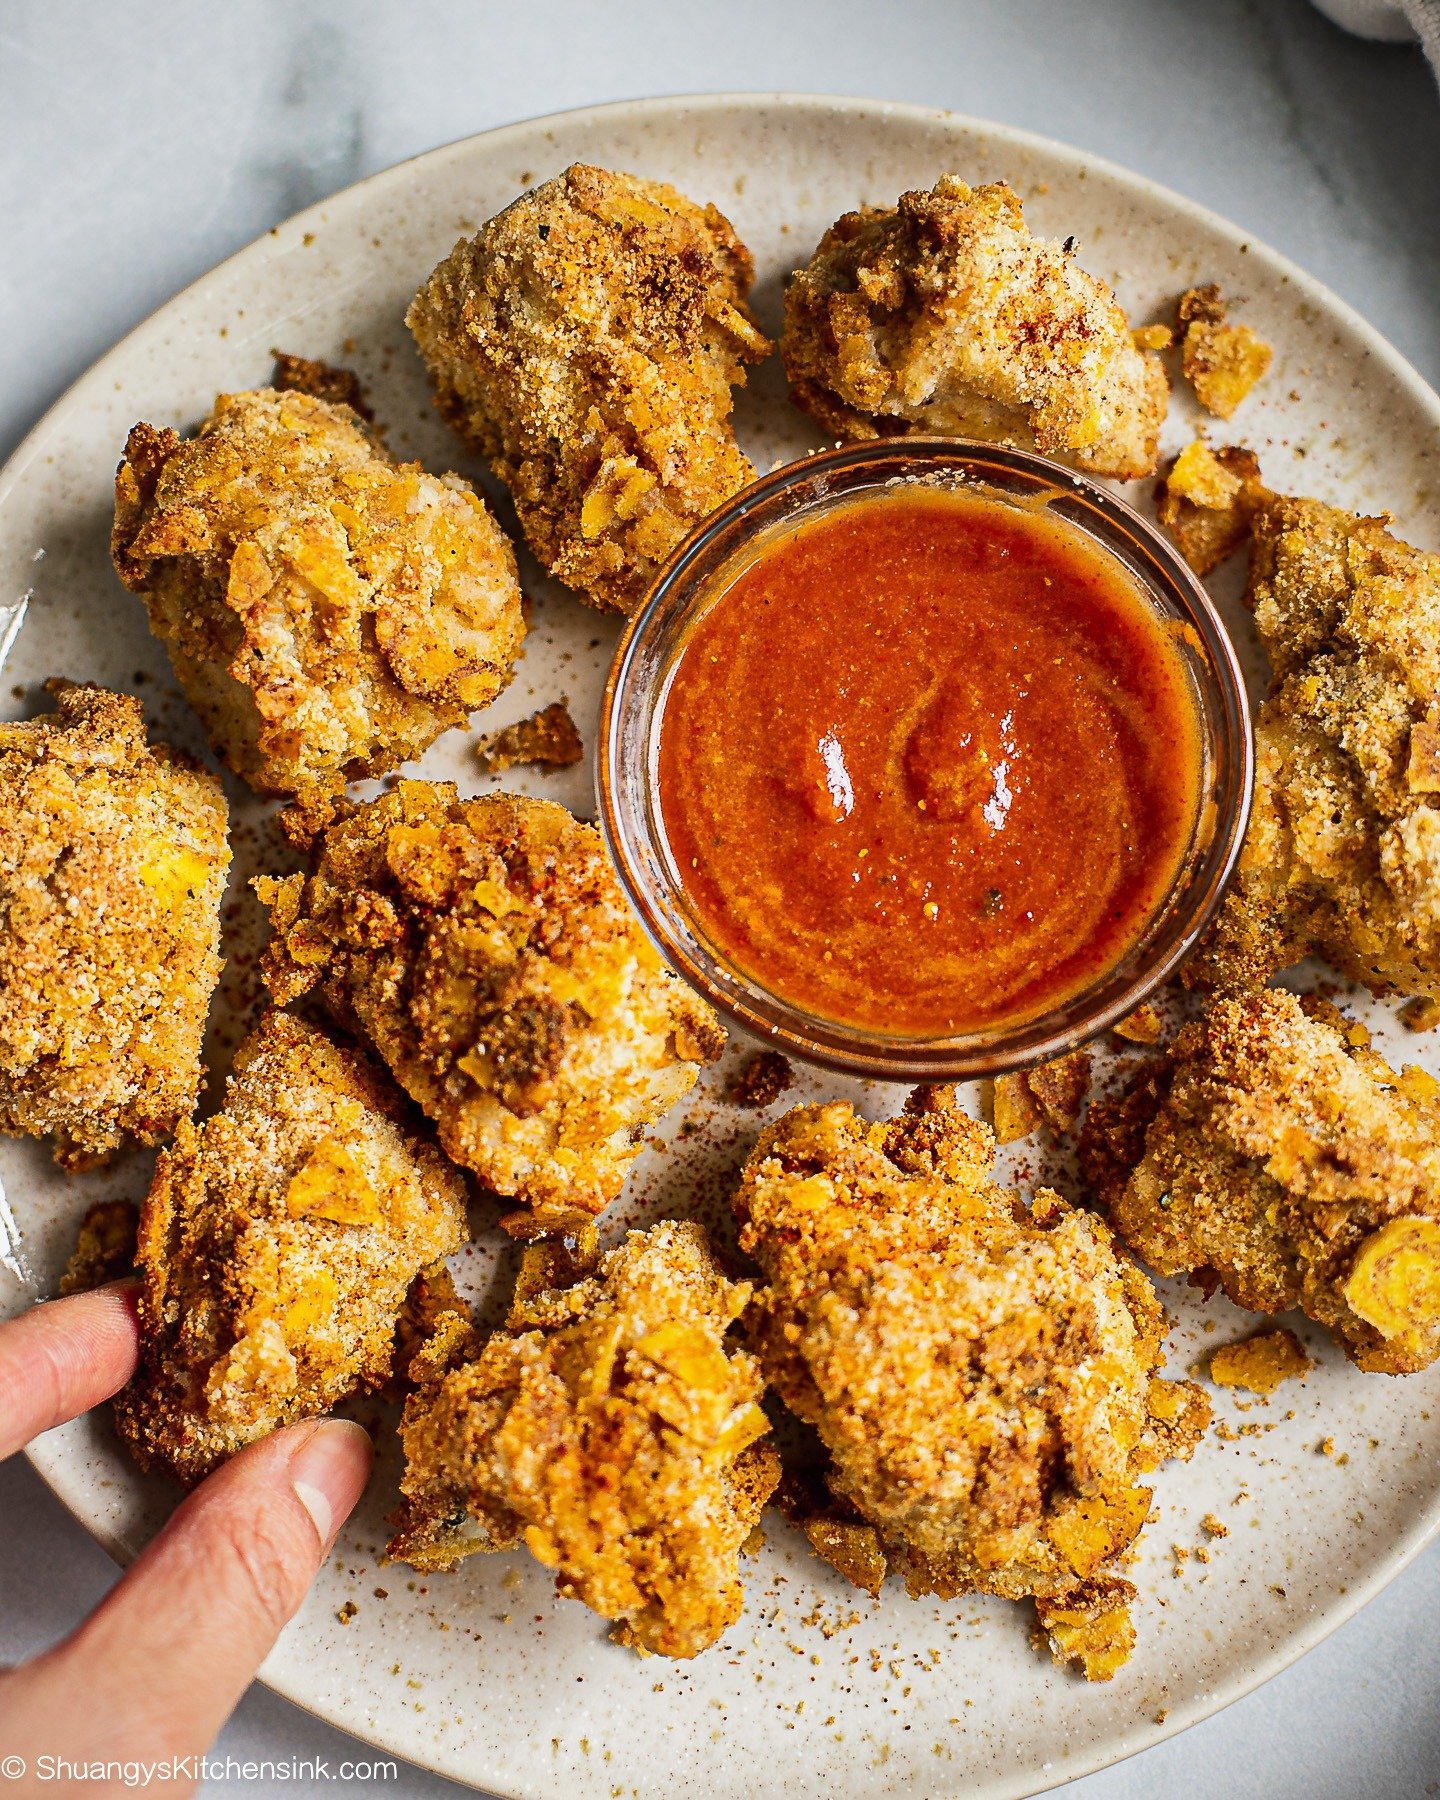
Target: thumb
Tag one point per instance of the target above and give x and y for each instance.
(158, 1668)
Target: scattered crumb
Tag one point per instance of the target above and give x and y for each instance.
(1421, 1014)
(1143, 1026)
(1091, 1627)
(347, 1612)
(321, 380)
(853, 1550)
(1052, 1092)
(1260, 1363)
(1013, 1111)
(1153, 337)
(1217, 1528)
(762, 1079)
(1222, 362)
(1059, 1088)
(549, 737)
(1207, 500)
(1162, 1715)
(104, 1248)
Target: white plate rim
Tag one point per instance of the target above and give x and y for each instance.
(279, 238)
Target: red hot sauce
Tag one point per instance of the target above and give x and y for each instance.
(928, 764)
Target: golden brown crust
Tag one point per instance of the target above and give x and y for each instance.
(276, 1246)
(328, 611)
(1343, 852)
(984, 1377)
(585, 342)
(943, 314)
(611, 1429)
(113, 860)
(1277, 1150)
(485, 949)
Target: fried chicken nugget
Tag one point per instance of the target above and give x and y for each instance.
(276, 1246)
(328, 611)
(485, 949)
(612, 1429)
(984, 1378)
(1343, 852)
(1274, 1148)
(942, 314)
(585, 343)
(113, 860)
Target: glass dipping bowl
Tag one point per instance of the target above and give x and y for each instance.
(703, 567)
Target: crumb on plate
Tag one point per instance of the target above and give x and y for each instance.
(550, 737)
(1221, 361)
(1261, 1362)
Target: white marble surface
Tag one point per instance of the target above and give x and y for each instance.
(139, 143)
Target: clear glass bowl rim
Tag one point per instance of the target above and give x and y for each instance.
(853, 1049)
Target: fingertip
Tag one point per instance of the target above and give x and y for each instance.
(182, 1633)
(328, 1470)
(63, 1357)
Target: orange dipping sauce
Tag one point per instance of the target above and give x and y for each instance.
(929, 763)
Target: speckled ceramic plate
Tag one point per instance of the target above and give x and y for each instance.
(484, 1674)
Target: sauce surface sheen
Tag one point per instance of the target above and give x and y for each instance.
(929, 763)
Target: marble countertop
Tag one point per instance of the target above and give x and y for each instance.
(142, 142)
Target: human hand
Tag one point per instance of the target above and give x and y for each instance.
(157, 1668)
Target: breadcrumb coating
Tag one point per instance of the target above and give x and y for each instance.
(113, 861)
(1274, 1148)
(276, 1246)
(585, 342)
(943, 314)
(328, 611)
(983, 1377)
(611, 1429)
(1343, 852)
(485, 949)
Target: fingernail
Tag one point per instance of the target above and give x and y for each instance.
(328, 1472)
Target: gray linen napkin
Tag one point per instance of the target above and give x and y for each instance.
(1391, 21)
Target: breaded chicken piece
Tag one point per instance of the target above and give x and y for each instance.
(984, 1378)
(329, 612)
(612, 1429)
(485, 949)
(276, 1246)
(585, 343)
(943, 314)
(113, 860)
(1274, 1148)
(1343, 852)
